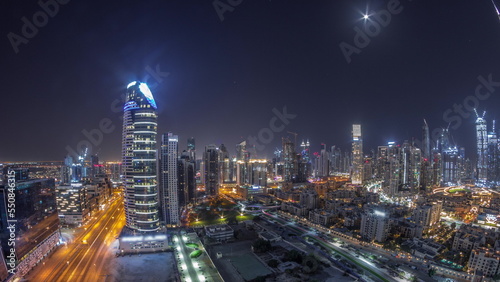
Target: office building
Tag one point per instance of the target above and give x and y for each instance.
(357, 155)
(139, 159)
(186, 180)
(191, 149)
(211, 170)
(289, 158)
(493, 173)
(72, 204)
(482, 148)
(169, 194)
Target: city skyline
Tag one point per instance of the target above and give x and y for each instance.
(232, 140)
(313, 80)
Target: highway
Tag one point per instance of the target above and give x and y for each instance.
(371, 270)
(86, 258)
(404, 262)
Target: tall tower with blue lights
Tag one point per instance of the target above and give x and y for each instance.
(139, 158)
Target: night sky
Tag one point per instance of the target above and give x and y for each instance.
(225, 77)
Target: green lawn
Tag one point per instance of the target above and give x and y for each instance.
(195, 254)
(217, 214)
(192, 245)
(459, 190)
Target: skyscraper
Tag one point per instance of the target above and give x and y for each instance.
(482, 148)
(493, 174)
(66, 170)
(426, 146)
(357, 155)
(139, 158)
(304, 151)
(304, 165)
(410, 159)
(289, 160)
(211, 170)
(241, 151)
(191, 149)
(186, 179)
(169, 197)
(225, 166)
(451, 165)
(323, 162)
(426, 169)
(95, 169)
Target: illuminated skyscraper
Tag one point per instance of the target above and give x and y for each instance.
(493, 156)
(426, 143)
(169, 197)
(186, 180)
(139, 158)
(241, 151)
(304, 164)
(191, 149)
(357, 155)
(289, 160)
(451, 165)
(323, 162)
(426, 169)
(437, 168)
(211, 170)
(482, 148)
(411, 159)
(226, 172)
(304, 147)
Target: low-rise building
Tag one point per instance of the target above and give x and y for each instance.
(408, 229)
(467, 242)
(270, 236)
(424, 248)
(294, 208)
(486, 260)
(321, 217)
(133, 241)
(220, 233)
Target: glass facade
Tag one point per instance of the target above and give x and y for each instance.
(139, 159)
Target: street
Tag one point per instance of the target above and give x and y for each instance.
(85, 258)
